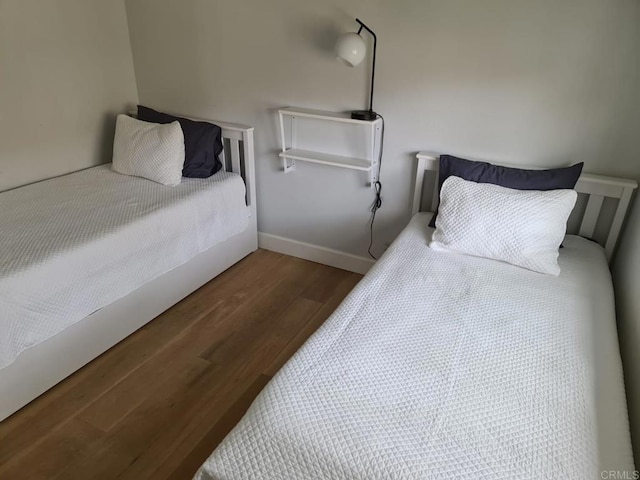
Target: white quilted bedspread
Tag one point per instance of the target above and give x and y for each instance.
(74, 244)
(442, 366)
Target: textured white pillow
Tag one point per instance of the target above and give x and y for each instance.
(149, 150)
(521, 227)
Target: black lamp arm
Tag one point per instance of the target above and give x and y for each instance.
(373, 68)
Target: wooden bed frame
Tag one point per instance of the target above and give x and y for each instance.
(41, 367)
(599, 215)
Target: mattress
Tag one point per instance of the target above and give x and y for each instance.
(441, 366)
(74, 244)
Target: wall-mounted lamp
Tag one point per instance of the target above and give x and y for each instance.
(351, 50)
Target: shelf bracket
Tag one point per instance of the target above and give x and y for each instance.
(373, 176)
(375, 153)
(288, 164)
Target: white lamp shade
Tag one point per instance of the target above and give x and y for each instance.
(351, 49)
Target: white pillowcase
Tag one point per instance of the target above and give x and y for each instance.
(150, 150)
(521, 227)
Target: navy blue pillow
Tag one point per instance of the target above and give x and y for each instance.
(519, 179)
(202, 142)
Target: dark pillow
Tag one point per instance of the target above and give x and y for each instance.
(202, 142)
(516, 178)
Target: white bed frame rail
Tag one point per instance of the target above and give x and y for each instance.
(41, 367)
(596, 188)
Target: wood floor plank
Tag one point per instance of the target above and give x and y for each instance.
(111, 454)
(126, 395)
(211, 392)
(201, 451)
(154, 405)
(264, 317)
(322, 290)
(54, 453)
(305, 331)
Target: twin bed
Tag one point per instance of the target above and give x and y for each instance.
(76, 277)
(441, 366)
(436, 366)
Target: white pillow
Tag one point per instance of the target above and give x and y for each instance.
(149, 150)
(521, 227)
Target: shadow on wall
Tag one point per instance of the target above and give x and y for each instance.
(626, 275)
(322, 28)
(322, 35)
(107, 133)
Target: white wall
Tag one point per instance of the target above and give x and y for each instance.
(65, 70)
(627, 281)
(533, 83)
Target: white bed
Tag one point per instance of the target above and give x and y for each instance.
(77, 243)
(441, 366)
(89, 257)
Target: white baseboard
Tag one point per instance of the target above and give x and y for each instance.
(315, 253)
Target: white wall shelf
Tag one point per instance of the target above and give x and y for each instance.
(325, 115)
(291, 153)
(327, 159)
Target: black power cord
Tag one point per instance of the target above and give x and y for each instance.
(377, 203)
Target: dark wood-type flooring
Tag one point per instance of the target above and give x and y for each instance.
(157, 404)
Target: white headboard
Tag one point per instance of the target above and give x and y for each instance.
(591, 218)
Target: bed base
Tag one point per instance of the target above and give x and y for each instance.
(41, 367)
(599, 214)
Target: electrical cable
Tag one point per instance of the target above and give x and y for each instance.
(377, 203)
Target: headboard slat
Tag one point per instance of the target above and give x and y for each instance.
(596, 187)
(426, 161)
(235, 155)
(591, 215)
(418, 185)
(222, 157)
(435, 198)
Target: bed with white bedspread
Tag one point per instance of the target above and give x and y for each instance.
(441, 366)
(88, 258)
(74, 244)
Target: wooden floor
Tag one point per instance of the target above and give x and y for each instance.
(157, 404)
